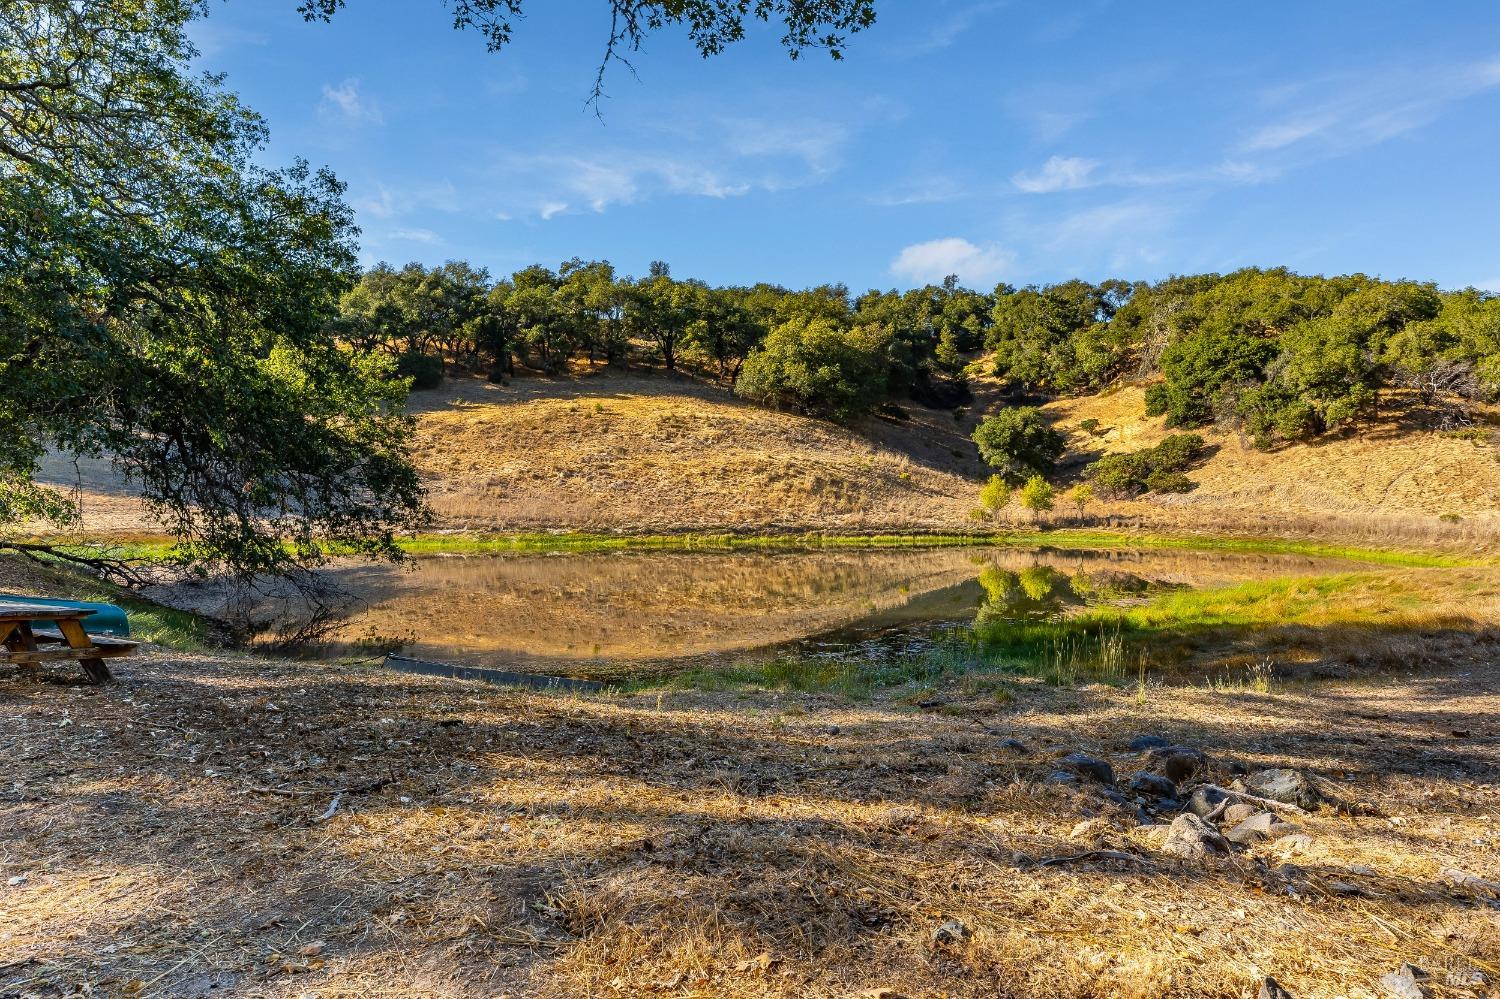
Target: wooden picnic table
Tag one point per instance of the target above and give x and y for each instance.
(29, 646)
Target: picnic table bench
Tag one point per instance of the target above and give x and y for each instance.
(29, 646)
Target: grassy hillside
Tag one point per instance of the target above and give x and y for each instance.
(644, 453)
(638, 452)
(1389, 478)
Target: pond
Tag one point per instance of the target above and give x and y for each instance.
(624, 615)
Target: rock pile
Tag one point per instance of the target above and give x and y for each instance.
(1172, 790)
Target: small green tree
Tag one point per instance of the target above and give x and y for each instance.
(1037, 495)
(1018, 441)
(995, 496)
(1081, 495)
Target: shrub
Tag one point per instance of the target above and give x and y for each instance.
(1168, 482)
(1157, 469)
(1092, 426)
(1175, 452)
(1081, 495)
(819, 367)
(424, 370)
(1018, 441)
(1118, 474)
(1037, 494)
(995, 495)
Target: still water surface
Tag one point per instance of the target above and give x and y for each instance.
(621, 614)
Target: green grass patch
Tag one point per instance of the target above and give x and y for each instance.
(154, 549)
(1113, 643)
(976, 669)
(1109, 644)
(479, 544)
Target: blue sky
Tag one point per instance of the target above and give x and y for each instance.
(1022, 141)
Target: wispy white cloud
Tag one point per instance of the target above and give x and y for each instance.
(1282, 134)
(346, 103)
(1340, 114)
(386, 202)
(935, 259)
(213, 38)
(1052, 109)
(923, 190)
(724, 158)
(816, 144)
(1060, 173)
(425, 236)
(550, 184)
(1108, 221)
(948, 29)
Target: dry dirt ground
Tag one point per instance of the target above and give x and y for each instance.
(649, 453)
(214, 825)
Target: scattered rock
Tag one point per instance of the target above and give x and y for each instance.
(949, 933)
(1091, 829)
(1271, 989)
(1295, 843)
(1142, 743)
(1467, 978)
(1015, 746)
(1111, 795)
(1290, 787)
(1204, 800)
(1061, 777)
(1258, 827)
(1178, 763)
(1088, 766)
(1193, 839)
(1152, 786)
(1290, 873)
(1466, 880)
(1235, 814)
(1406, 982)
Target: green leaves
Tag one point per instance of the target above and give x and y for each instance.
(1154, 469)
(168, 303)
(819, 367)
(1018, 441)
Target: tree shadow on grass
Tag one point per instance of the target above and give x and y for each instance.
(175, 826)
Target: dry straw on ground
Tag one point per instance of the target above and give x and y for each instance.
(274, 829)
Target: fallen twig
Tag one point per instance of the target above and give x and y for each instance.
(1091, 855)
(1257, 800)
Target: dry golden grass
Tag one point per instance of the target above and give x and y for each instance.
(648, 453)
(165, 833)
(1390, 480)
